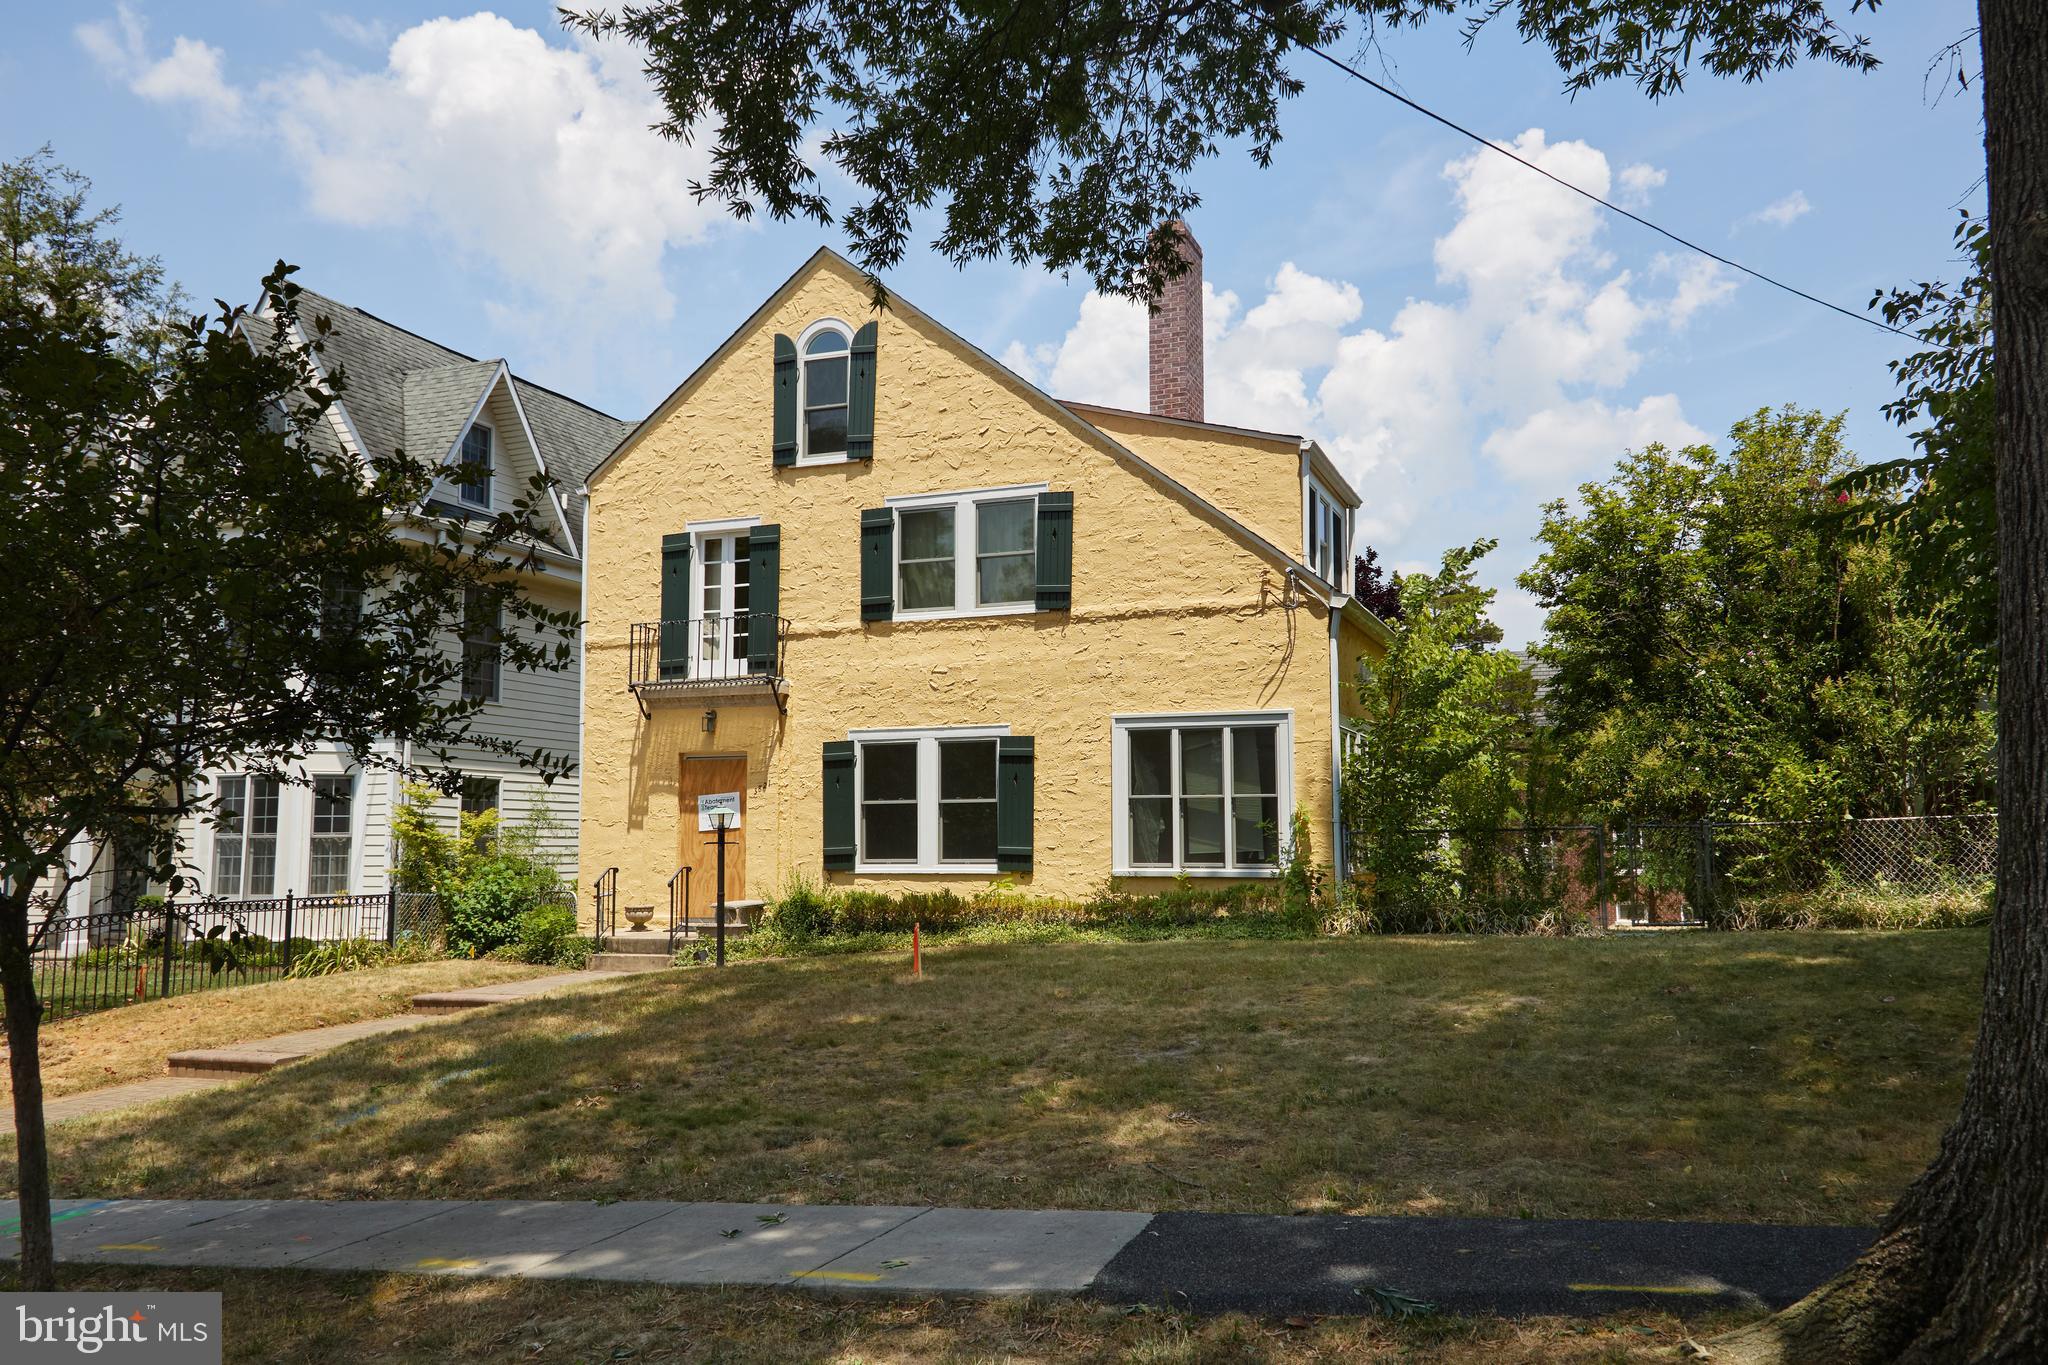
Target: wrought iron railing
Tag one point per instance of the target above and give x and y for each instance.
(678, 906)
(604, 896)
(159, 948)
(706, 651)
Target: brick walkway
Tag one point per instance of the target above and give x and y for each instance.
(114, 1097)
(204, 1068)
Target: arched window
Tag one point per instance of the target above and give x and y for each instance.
(827, 354)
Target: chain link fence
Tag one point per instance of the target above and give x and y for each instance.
(1879, 872)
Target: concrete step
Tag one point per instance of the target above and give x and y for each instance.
(262, 1054)
(629, 962)
(227, 1063)
(653, 942)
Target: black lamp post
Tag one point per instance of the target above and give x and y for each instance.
(721, 820)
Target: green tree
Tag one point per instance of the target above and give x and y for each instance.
(1725, 644)
(1938, 506)
(196, 575)
(1069, 133)
(1446, 725)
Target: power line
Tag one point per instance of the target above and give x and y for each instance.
(1611, 207)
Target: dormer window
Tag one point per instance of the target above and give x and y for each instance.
(475, 473)
(828, 355)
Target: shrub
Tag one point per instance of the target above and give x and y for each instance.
(800, 913)
(547, 935)
(1838, 906)
(342, 955)
(484, 912)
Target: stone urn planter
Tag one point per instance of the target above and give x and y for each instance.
(638, 915)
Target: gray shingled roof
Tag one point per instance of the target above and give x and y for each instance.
(439, 403)
(403, 393)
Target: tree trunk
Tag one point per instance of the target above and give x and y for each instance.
(25, 1068)
(1960, 1270)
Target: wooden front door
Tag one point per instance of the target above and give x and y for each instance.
(712, 777)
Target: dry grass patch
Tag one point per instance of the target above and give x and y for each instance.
(1799, 1078)
(130, 1042)
(312, 1319)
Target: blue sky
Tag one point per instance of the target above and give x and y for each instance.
(1468, 340)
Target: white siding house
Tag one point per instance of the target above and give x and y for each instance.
(331, 832)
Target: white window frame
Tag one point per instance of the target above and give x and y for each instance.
(1120, 786)
(489, 486)
(472, 782)
(1314, 491)
(349, 877)
(966, 550)
(242, 836)
(803, 428)
(927, 740)
(717, 652)
(497, 632)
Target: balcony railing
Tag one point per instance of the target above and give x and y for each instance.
(706, 652)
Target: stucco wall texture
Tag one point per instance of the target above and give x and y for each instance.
(1171, 612)
(1256, 479)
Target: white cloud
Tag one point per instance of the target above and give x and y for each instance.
(189, 74)
(1636, 183)
(1778, 213)
(362, 32)
(1559, 446)
(1457, 414)
(533, 159)
(1700, 282)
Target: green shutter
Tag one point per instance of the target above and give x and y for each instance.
(1055, 551)
(675, 607)
(839, 845)
(877, 563)
(764, 596)
(1013, 803)
(785, 400)
(860, 398)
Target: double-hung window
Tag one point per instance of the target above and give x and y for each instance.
(1200, 794)
(927, 799)
(827, 360)
(1328, 538)
(474, 473)
(967, 554)
(479, 794)
(245, 837)
(341, 607)
(327, 857)
(481, 622)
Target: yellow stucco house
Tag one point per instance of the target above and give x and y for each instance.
(926, 626)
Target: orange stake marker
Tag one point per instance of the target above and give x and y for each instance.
(916, 952)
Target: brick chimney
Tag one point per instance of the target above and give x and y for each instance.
(1176, 350)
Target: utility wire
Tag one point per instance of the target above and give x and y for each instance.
(1462, 130)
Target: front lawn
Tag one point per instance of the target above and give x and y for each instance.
(314, 1319)
(130, 1042)
(1799, 1077)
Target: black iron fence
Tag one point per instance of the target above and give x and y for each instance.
(1674, 874)
(162, 948)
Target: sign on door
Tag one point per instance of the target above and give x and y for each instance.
(709, 806)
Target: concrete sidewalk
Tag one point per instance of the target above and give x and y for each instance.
(1315, 1264)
